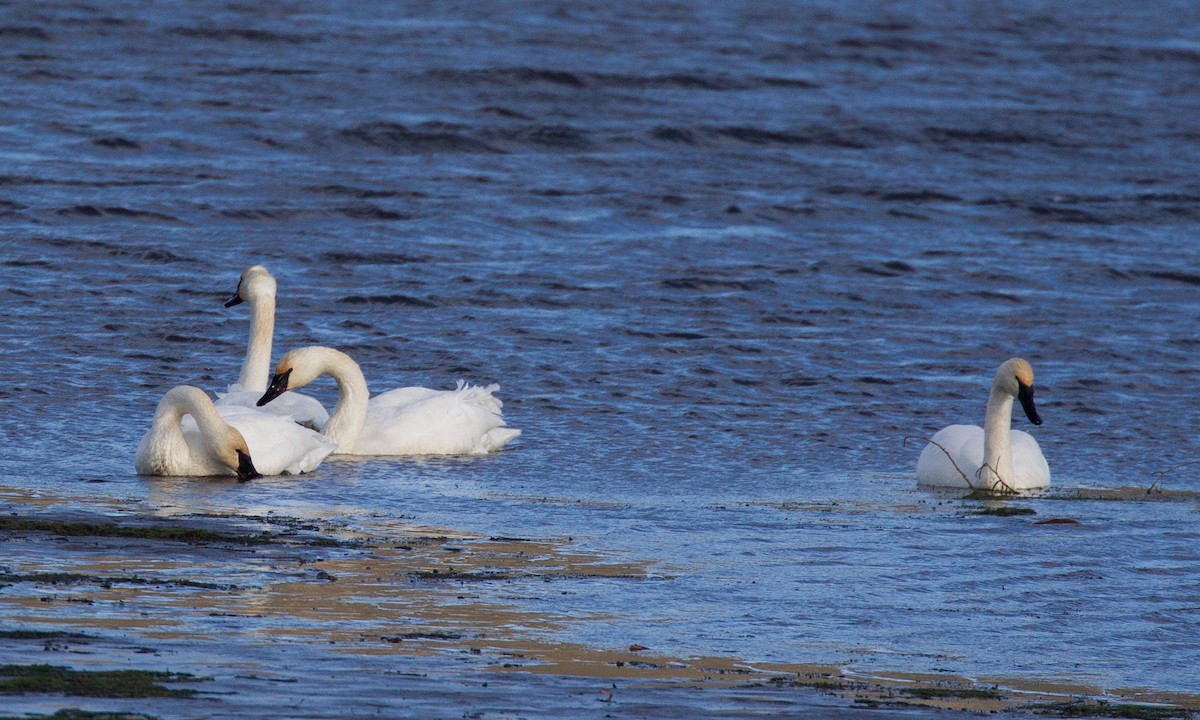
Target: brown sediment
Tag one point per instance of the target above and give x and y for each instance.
(24, 498)
(849, 507)
(77, 714)
(853, 507)
(425, 592)
(552, 500)
(1005, 511)
(1124, 494)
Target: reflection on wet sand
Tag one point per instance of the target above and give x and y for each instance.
(403, 592)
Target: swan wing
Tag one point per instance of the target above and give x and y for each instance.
(277, 444)
(401, 397)
(420, 421)
(299, 408)
(963, 443)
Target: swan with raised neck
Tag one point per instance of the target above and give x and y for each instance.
(257, 287)
(405, 421)
(995, 457)
(218, 448)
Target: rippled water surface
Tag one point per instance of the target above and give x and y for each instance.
(722, 262)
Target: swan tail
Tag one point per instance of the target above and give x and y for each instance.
(480, 396)
(483, 397)
(312, 459)
(497, 438)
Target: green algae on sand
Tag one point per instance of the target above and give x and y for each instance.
(77, 714)
(171, 533)
(1101, 709)
(22, 679)
(1006, 511)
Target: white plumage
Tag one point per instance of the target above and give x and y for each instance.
(257, 287)
(405, 421)
(190, 436)
(965, 445)
(278, 445)
(993, 457)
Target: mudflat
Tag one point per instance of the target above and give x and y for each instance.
(237, 616)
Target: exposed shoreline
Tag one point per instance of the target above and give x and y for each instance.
(205, 595)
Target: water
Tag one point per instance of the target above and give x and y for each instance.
(721, 260)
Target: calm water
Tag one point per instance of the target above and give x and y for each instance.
(721, 262)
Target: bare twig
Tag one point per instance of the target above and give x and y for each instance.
(999, 480)
(938, 445)
(1163, 473)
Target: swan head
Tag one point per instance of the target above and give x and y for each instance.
(254, 283)
(231, 450)
(1015, 377)
(245, 468)
(296, 368)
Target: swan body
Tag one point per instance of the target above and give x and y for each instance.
(257, 286)
(994, 457)
(213, 447)
(191, 436)
(405, 421)
(278, 445)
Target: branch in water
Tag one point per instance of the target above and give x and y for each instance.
(999, 481)
(938, 445)
(1159, 475)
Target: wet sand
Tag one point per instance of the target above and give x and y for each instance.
(328, 621)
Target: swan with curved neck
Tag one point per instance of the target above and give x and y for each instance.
(994, 457)
(191, 436)
(405, 421)
(257, 286)
(215, 448)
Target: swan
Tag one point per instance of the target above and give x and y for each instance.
(215, 448)
(993, 457)
(192, 436)
(257, 287)
(405, 421)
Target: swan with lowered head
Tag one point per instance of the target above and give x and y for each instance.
(192, 436)
(406, 421)
(256, 286)
(993, 457)
(214, 448)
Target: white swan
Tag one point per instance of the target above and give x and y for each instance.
(406, 421)
(992, 457)
(192, 436)
(257, 287)
(215, 448)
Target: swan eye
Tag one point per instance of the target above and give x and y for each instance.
(277, 387)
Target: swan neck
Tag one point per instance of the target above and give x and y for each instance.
(256, 368)
(187, 400)
(997, 445)
(349, 416)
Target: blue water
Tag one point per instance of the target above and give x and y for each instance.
(722, 262)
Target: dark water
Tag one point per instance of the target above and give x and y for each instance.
(721, 260)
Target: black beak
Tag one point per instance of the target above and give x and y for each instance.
(1025, 395)
(245, 470)
(235, 300)
(278, 386)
